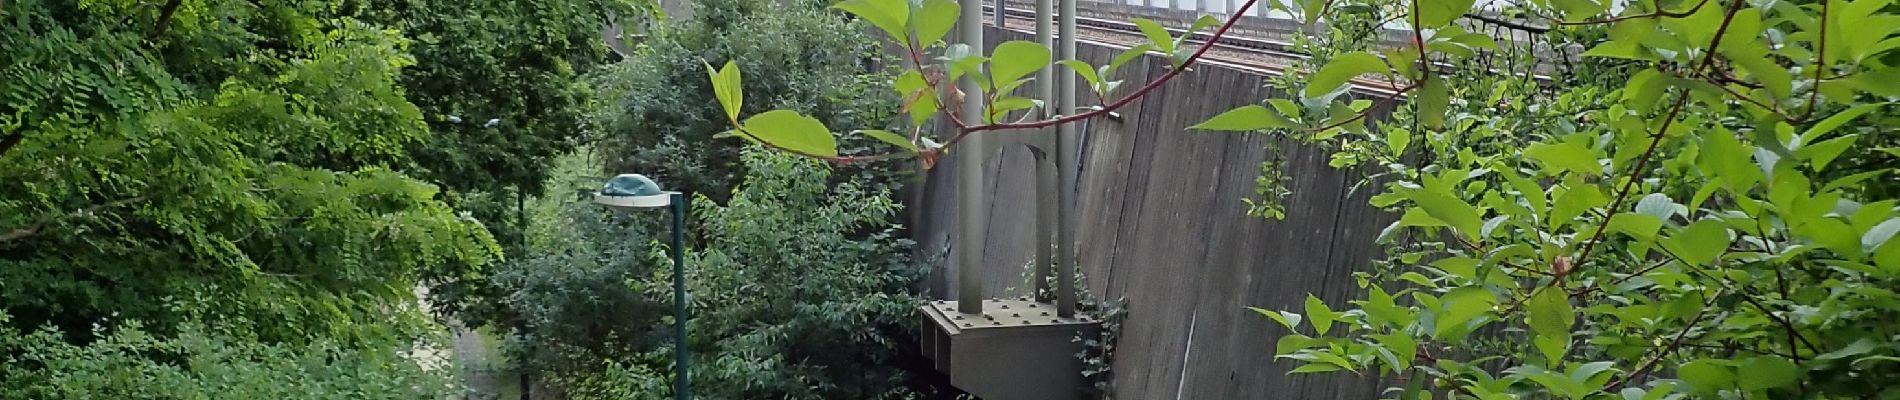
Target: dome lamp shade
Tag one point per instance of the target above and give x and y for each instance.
(632, 190)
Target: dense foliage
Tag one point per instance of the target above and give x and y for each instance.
(500, 86)
(227, 161)
(194, 189)
(658, 116)
(202, 364)
(1696, 205)
(596, 292)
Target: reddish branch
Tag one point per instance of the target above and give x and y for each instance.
(1138, 93)
(1820, 64)
(1659, 13)
(965, 130)
(1642, 162)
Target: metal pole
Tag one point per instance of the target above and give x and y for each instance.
(1065, 175)
(682, 388)
(1045, 168)
(971, 213)
(521, 245)
(997, 12)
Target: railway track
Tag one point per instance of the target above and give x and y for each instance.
(1252, 54)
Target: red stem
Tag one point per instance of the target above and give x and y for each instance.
(1656, 139)
(1143, 91)
(1820, 64)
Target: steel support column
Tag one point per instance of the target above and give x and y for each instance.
(971, 201)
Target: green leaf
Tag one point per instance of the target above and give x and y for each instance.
(1397, 139)
(1287, 319)
(911, 83)
(1404, 348)
(1550, 313)
(1433, 98)
(1127, 55)
(893, 16)
(1566, 156)
(892, 138)
(1202, 23)
(1552, 348)
(1700, 243)
(1310, 368)
(791, 131)
(1857, 348)
(1579, 10)
(1660, 206)
(1754, 61)
(1461, 306)
(1452, 210)
(934, 20)
(1574, 202)
(1438, 13)
(1292, 343)
(1636, 225)
(1247, 118)
(1532, 193)
(1767, 372)
(1879, 235)
(1004, 106)
(1706, 375)
(726, 87)
(1820, 154)
(1087, 73)
(1156, 34)
(1835, 121)
(1322, 316)
(963, 62)
(1627, 50)
(1342, 69)
(1834, 235)
(1311, 10)
(1016, 58)
(1381, 309)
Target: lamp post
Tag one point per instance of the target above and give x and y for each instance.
(631, 191)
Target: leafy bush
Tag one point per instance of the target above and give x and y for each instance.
(130, 363)
(1693, 208)
(790, 302)
(798, 289)
(659, 115)
(567, 297)
(141, 179)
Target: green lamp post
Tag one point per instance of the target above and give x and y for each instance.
(632, 191)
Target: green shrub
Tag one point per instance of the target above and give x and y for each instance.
(200, 364)
(799, 290)
(788, 302)
(659, 114)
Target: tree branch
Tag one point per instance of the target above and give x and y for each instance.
(37, 226)
(1820, 63)
(1659, 13)
(164, 19)
(1666, 351)
(1642, 162)
(1508, 24)
(1143, 91)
